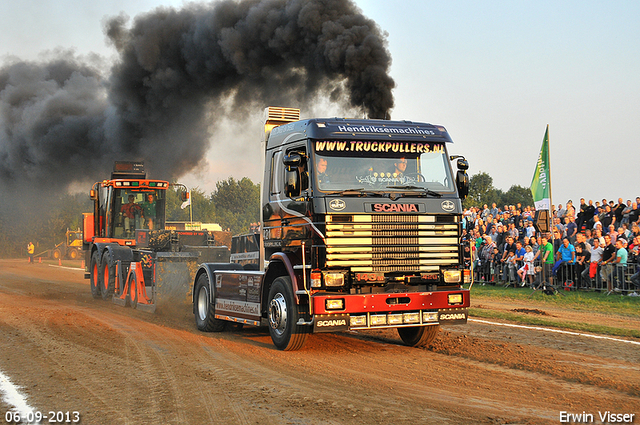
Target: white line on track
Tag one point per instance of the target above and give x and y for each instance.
(538, 328)
(65, 267)
(13, 397)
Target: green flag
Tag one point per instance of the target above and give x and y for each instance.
(541, 184)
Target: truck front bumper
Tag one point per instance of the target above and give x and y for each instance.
(389, 310)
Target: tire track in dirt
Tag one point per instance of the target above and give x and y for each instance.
(114, 361)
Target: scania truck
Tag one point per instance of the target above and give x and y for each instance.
(360, 229)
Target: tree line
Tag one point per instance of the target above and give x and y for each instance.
(233, 204)
(482, 191)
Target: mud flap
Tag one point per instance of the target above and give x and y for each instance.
(453, 316)
(174, 276)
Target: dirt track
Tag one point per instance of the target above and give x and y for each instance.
(116, 365)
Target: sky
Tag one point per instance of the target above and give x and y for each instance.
(495, 74)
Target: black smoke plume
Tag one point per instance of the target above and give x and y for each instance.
(64, 121)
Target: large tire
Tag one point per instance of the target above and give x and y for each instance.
(108, 276)
(133, 291)
(283, 315)
(205, 310)
(94, 275)
(56, 254)
(73, 254)
(418, 336)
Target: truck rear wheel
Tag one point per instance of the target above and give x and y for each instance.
(108, 276)
(132, 291)
(285, 333)
(205, 310)
(94, 276)
(418, 336)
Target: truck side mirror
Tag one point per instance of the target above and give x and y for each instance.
(291, 182)
(292, 163)
(462, 164)
(293, 160)
(462, 182)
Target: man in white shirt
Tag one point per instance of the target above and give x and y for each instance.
(596, 258)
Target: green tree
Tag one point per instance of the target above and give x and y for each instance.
(201, 206)
(481, 191)
(518, 194)
(237, 204)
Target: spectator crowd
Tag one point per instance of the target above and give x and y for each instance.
(588, 247)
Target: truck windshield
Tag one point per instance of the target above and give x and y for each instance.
(138, 209)
(414, 166)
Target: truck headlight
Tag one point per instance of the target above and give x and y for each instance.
(452, 276)
(333, 279)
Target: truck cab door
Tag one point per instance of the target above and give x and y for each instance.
(296, 203)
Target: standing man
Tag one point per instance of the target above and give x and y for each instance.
(30, 250)
(583, 256)
(620, 263)
(545, 252)
(596, 260)
(509, 246)
(571, 228)
(581, 214)
(608, 257)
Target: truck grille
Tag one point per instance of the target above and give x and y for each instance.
(391, 243)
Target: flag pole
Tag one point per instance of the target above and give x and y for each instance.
(550, 194)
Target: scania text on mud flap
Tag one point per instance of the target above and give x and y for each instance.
(360, 229)
(129, 256)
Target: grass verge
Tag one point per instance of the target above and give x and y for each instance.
(539, 321)
(587, 301)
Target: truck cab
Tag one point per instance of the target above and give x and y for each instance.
(361, 228)
(126, 202)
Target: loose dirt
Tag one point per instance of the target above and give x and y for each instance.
(114, 365)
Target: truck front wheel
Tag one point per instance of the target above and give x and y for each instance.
(204, 309)
(285, 333)
(93, 276)
(418, 336)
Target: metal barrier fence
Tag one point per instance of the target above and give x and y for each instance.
(562, 276)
